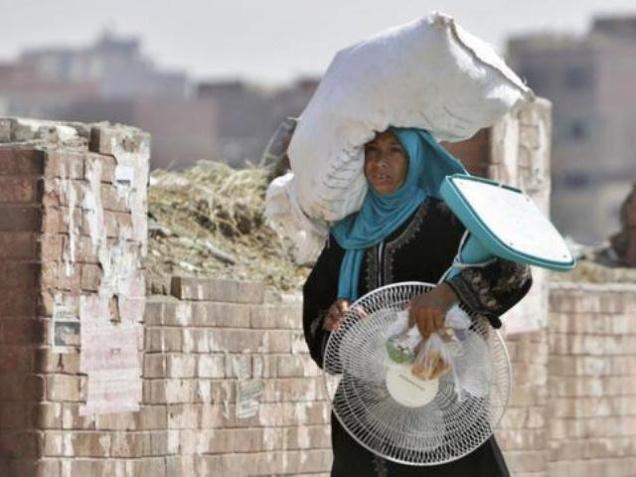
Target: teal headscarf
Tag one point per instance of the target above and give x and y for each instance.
(380, 215)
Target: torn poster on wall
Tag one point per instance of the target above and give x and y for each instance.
(66, 327)
(110, 358)
(248, 396)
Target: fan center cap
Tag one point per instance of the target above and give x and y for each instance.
(407, 389)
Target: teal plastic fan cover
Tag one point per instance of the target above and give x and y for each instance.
(506, 222)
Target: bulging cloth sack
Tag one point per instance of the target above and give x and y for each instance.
(429, 74)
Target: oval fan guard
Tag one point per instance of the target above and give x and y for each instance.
(442, 431)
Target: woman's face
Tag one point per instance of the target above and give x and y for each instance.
(385, 163)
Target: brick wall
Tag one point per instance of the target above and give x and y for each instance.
(239, 391)
(21, 386)
(212, 346)
(219, 382)
(592, 381)
(72, 236)
(522, 433)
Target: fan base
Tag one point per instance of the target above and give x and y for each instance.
(408, 390)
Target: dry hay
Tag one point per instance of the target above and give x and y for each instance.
(208, 220)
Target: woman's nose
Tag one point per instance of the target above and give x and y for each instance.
(383, 161)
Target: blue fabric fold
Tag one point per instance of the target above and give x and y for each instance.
(380, 215)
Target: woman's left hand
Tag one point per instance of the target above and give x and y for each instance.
(428, 310)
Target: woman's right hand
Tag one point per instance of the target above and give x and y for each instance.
(335, 314)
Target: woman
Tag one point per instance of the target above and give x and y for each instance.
(404, 232)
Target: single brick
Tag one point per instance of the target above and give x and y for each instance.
(47, 415)
(112, 200)
(91, 278)
(109, 140)
(51, 247)
(62, 387)
(117, 223)
(18, 160)
(181, 366)
(71, 419)
(192, 288)
(195, 340)
(107, 166)
(65, 164)
(19, 274)
(21, 189)
(15, 359)
(18, 302)
(16, 218)
(57, 275)
(211, 366)
(276, 316)
(90, 444)
(23, 332)
(21, 444)
(18, 245)
(152, 418)
(221, 314)
(154, 366)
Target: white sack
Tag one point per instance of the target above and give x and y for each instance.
(429, 74)
(283, 212)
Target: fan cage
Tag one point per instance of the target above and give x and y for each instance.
(440, 432)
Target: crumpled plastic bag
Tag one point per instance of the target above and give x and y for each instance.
(435, 356)
(285, 215)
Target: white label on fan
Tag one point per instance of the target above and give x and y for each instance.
(407, 389)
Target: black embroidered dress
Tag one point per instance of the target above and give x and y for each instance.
(421, 249)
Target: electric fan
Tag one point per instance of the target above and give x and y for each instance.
(398, 415)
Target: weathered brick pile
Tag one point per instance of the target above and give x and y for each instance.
(592, 380)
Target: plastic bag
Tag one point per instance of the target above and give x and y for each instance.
(434, 359)
(435, 356)
(403, 340)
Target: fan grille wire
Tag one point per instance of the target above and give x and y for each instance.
(443, 430)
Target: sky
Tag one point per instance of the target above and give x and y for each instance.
(270, 41)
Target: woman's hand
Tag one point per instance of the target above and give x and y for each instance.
(335, 314)
(428, 310)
